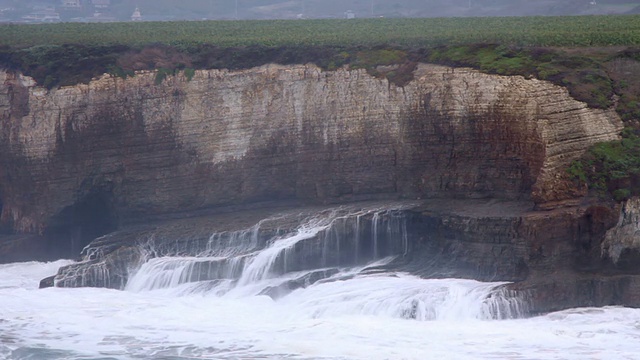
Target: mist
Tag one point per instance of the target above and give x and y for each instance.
(167, 10)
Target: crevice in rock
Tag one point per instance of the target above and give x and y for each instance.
(6, 227)
(77, 225)
(3, 227)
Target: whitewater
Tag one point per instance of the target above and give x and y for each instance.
(234, 297)
(352, 319)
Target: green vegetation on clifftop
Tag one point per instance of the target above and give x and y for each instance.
(522, 31)
(611, 167)
(69, 53)
(585, 77)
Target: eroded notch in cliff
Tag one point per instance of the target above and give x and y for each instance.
(77, 225)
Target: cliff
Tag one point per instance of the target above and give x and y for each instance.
(285, 133)
(81, 161)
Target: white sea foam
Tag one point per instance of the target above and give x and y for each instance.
(350, 317)
(27, 275)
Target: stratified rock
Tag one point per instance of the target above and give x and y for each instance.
(80, 161)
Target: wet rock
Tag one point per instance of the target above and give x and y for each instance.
(570, 290)
(47, 282)
(26, 247)
(549, 255)
(622, 243)
(276, 292)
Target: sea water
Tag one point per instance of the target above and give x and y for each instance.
(359, 314)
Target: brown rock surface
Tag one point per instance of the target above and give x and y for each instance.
(138, 150)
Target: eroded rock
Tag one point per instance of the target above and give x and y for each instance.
(135, 151)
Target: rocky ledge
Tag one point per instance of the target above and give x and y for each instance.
(555, 259)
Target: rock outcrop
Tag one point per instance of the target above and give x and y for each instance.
(119, 154)
(622, 243)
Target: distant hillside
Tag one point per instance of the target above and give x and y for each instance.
(290, 9)
(252, 9)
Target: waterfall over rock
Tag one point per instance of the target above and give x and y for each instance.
(340, 260)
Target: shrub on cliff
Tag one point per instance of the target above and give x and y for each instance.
(58, 65)
(584, 77)
(612, 167)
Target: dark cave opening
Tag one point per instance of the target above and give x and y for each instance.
(77, 225)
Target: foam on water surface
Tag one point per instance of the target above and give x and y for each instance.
(348, 318)
(25, 275)
(326, 289)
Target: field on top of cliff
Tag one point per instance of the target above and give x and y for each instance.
(525, 31)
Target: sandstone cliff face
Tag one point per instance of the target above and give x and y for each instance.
(80, 161)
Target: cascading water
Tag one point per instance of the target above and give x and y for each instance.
(169, 265)
(343, 251)
(333, 238)
(405, 296)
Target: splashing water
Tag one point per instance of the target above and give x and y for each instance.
(326, 289)
(318, 243)
(278, 271)
(359, 314)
